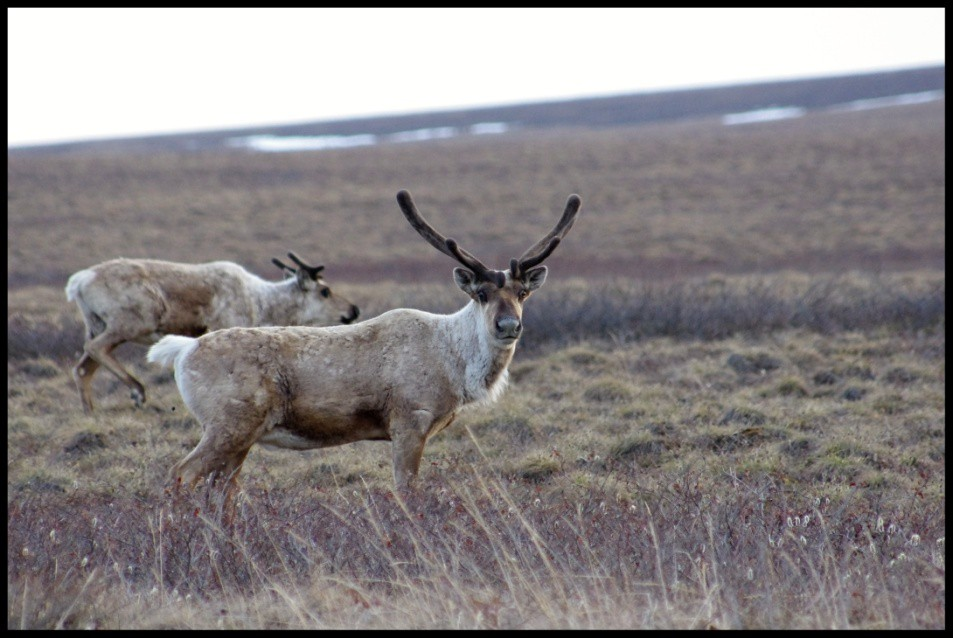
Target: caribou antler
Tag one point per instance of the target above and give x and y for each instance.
(447, 246)
(535, 254)
(311, 270)
(283, 265)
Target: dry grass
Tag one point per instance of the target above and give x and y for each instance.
(750, 434)
(536, 512)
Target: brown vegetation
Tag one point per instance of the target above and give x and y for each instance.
(727, 411)
(825, 193)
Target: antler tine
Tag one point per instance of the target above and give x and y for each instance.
(281, 264)
(447, 246)
(312, 270)
(542, 249)
(293, 257)
(526, 264)
(423, 228)
(545, 246)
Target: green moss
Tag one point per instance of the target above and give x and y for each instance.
(640, 446)
(840, 450)
(792, 387)
(743, 415)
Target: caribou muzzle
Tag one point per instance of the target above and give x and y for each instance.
(351, 316)
(508, 328)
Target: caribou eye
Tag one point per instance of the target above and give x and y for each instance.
(325, 292)
(481, 295)
(523, 294)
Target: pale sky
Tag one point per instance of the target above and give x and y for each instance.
(78, 74)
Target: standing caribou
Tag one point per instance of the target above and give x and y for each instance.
(401, 376)
(141, 300)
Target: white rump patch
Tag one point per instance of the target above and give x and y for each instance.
(171, 351)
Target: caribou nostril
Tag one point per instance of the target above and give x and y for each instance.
(349, 318)
(509, 327)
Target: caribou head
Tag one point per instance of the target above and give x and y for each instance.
(309, 280)
(499, 293)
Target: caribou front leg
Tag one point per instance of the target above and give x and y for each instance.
(409, 435)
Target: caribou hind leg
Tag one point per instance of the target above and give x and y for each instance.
(98, 352)
(83, 377)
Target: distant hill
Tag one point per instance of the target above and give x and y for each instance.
(598, 112)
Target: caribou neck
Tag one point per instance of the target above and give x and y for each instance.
(474, 356)
(271, 300)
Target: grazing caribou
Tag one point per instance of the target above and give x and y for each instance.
(401, 376)
(140, 300)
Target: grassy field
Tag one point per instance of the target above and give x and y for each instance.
(728, 410)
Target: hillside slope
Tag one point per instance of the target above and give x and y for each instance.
(597, 112)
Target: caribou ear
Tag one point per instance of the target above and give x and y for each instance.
(535, 277)
(465, 279)
(305, 281)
